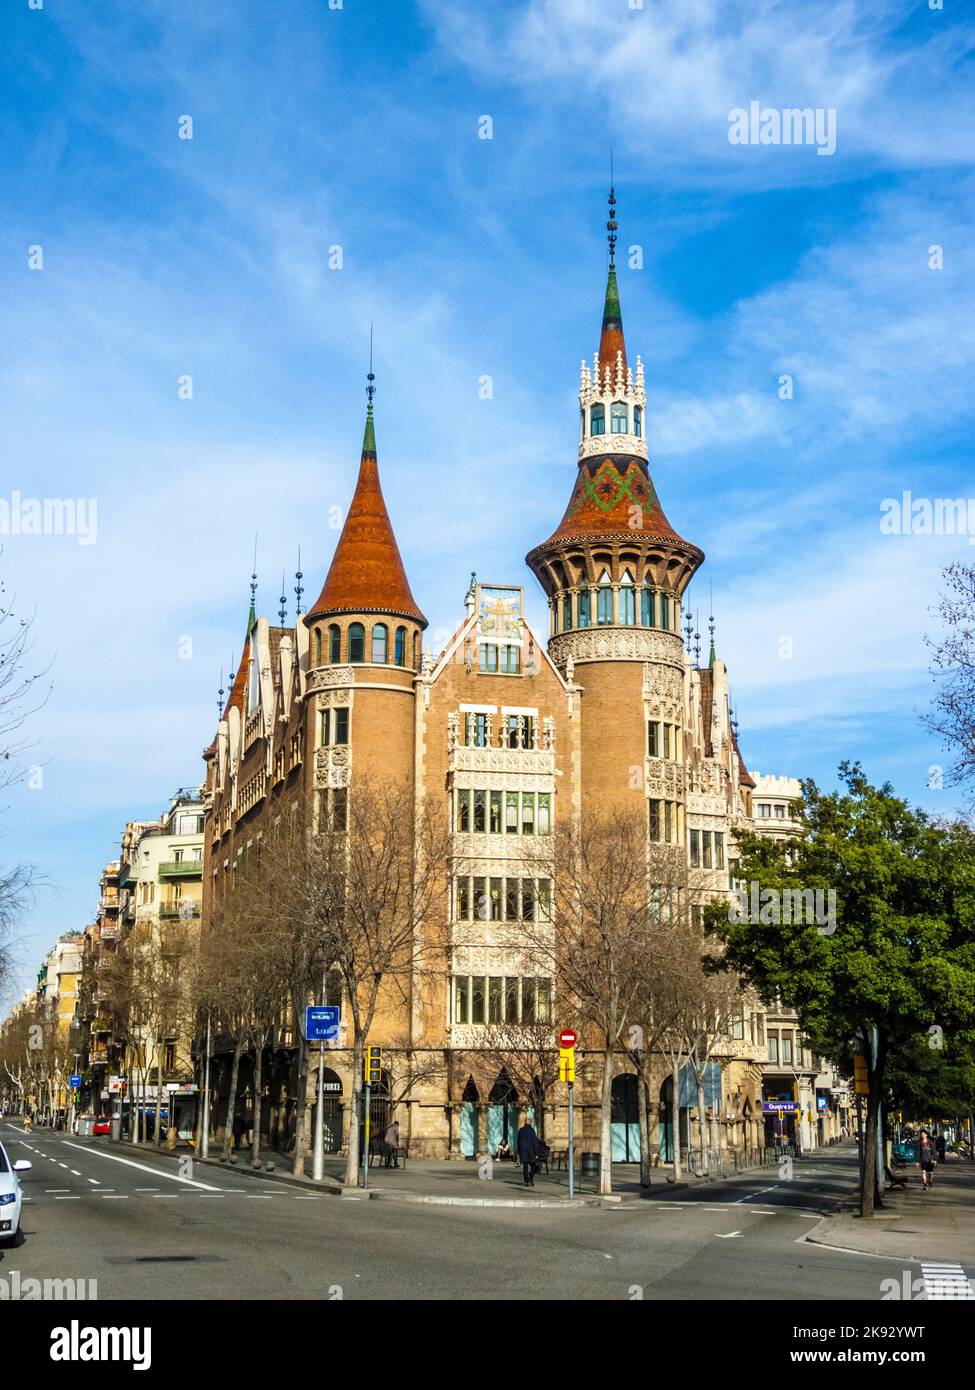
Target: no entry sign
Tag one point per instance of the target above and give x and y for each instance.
(567, 1038)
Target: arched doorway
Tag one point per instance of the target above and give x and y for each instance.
(468, 1119)
(502, 1113)
(332, 1111)
(666, 1126)
(624, 1128)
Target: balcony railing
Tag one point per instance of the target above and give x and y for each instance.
(172, 911)
(181, 868)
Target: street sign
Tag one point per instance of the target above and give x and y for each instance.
(74, 1081)
(861, 1080)
(322, 1023)
(567, 1064)
(567, 1038)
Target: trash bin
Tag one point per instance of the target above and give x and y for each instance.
(84, 1126)
(589, 1165)
(116, 1128)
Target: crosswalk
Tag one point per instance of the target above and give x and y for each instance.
(945, 1281)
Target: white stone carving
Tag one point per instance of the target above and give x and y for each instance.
(537, 761)
(617, 644)
(330, 677)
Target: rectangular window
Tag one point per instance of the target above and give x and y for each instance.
(461, 996)
(511, 899)
(510, 660)
(668, 822)
(511, 813)
(545, 897)
(463, 899)
(543, 1002)
(528, 731)
(780, 813)
(495, 998)
(495, 901)
(528, 813)
(478, 731)
(544, 813)
(738, 1028)
(604, 606)
(668, 741)
(764, 809)
(627, 603)
(341, 726)
(340, 809)
(326, 713)
(528, 1000)
(653, 812)
(695, 849)
(787, 1047)
(480, 798)
(566, 612)
(489, 657)
(718, 849)
(527, 900)
(481, 902)
(512, 1013)
(514, 731)
(653, 739)
(464, 809)
(664, 611)
(495, 813)
(584, 606)
(648, 607)
(707, 849)
(773, 1047)
(478, 998)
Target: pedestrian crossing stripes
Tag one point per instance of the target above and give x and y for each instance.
(945, 1281)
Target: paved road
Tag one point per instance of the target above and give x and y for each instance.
(143, 1230)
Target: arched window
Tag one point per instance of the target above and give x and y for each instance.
(318, 646)
(617, 417)
(648, 613)
(627, 599)
(597, 420)
(357, 642)
(638, 421)
(380, 643)
(334, 644)
(400, 648)
(604, 601)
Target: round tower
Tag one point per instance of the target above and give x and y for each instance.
(364, 649)
(614, 572)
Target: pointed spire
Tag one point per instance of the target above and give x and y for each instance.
(366, 574)
(612, 344)
(713, 656)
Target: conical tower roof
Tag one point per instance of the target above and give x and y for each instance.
(366, 574)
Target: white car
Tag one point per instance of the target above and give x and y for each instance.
(10, 1197)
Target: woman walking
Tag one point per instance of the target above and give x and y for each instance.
(927, 1157)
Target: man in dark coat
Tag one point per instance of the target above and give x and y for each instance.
(528, 1152)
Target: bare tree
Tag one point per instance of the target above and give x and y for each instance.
(953, 667)
(528, 1054)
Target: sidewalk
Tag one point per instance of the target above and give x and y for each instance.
(913, 1225)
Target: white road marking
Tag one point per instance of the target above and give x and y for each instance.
(750, 1195)
(730, 1235)
(51, 1190)
(67, 1199)
(114, 1196)
(143, 1167)
(95, 1181)
(944, 1281)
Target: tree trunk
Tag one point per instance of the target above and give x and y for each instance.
(644, 1113)
(353, 1177)
(699, 1079)
(605, 1118)
(675, 1119)
(157, 1127)
(258, 1084)
(228, 1128)
(871, 1197)
(298, 1165)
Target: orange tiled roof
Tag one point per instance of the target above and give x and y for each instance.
(366, 574)
(611, 494)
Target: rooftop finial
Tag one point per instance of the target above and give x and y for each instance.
(298, 587)
(220, 695)
(713, 655)
(611, 226)
(369, 437)
(697, 642)
(252, 616)
(283, 610)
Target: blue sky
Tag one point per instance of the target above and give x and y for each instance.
(358, 127)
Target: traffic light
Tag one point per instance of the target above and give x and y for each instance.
(861, 1083)
(373, 1065)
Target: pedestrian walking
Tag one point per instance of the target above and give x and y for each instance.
(391, 1144)
(941, 1147)
(528, 1152)
(927, 1157)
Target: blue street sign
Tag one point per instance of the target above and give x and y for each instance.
(74, 1081)
(322, 1023)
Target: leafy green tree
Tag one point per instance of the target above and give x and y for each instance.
(897, 959)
